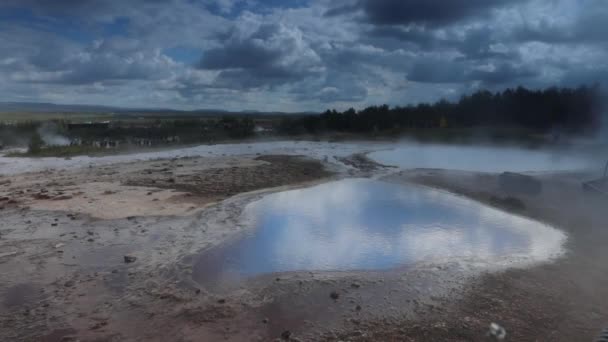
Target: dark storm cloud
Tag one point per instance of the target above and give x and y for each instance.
(269, 55)
(423, 12)
(502, 74)
(437, 71)
(429, 70)
(295, 54)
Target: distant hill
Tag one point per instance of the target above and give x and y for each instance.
(42, 107)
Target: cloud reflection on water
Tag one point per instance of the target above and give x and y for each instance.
(364, 224)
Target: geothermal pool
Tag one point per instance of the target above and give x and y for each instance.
(363, 224)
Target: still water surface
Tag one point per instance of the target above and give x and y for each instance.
(479, 158)
(362, 224)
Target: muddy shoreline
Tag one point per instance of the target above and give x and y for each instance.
(64, 235)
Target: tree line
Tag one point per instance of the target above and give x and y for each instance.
(573, 110)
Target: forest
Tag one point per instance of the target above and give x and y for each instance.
(568, 110)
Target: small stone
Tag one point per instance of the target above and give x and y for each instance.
(286, 335)
(129, 259)
(197, 291)
(334, 295)
(221, 301)
(358, 308)
(90, 240)
(355, 285)
(69, 283)
(265, 321)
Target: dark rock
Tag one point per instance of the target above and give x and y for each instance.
(517, 183)
(41, 196)
(221, 301)
(69, 283)
(265, 321)
(509, 203)
(334, 295)
(129, 259)
(355, 285)
(197, 291)
(358, 308)
(54, 224)
(90, 240)
(286, 335)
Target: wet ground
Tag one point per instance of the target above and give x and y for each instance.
(63, 243)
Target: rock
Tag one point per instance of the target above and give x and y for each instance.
(221, 301)
(286, 335)
(90, 240)
(517, 183)
(358, 308)
(496, 332)
(54, 224)
(129, 259)
(265, 321)
(69, 283)
(98, 325)
(334, 295)
(197, 291)
(89, 232)
(355, 285)
(41, 196)
(7, 254)
(509, 203)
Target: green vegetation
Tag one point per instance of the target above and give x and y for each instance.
(566, 110)
(514, 115)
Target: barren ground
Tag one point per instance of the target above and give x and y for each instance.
(64, 236)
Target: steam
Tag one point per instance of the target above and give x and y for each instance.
(49, 133)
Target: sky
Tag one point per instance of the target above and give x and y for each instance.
(293, 55)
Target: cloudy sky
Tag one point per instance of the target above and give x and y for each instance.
(293, 55)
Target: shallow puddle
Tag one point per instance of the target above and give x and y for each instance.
(361, 224)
